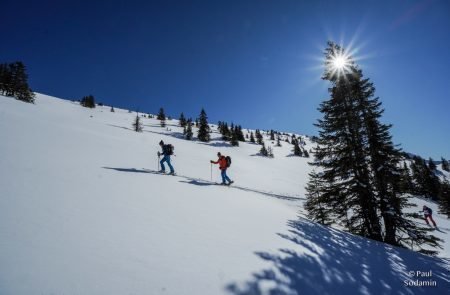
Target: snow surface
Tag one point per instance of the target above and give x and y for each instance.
(83, 212)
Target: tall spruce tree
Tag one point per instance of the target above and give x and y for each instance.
(203, 127)
(359, 162)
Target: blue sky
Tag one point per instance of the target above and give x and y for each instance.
(256, 63)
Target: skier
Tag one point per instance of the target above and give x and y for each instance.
(167, 151)
(223, 166)
(427, 213)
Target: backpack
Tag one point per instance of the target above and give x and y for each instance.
(169, 149)
(228, 158)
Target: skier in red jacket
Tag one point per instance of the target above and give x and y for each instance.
(223, 166)
(427, 214)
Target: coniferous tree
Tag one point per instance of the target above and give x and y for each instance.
(112, 109)
(182, 120)
(161, 117)
(297, 150)
(431, 164)
(5, 79)
(259, 137)
(444, 198)
(234, 136)
(305, 153)
(272, 135)
(270, 152)
(88, 101)
(444, 165)
(406, 184)
(426, 182)
(226, 132)
(188, 134)
(318, 208)
(203, 127)
(239, 133)
(137, 124)
(14, 82)
(252, 138)
(359, 160)
(263, 151)
(278, 141)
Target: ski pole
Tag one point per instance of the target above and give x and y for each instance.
(211, 171)
(158, 162)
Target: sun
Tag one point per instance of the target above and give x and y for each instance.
(340, 62)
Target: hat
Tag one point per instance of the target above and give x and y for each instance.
(161, 142)
(219, 154)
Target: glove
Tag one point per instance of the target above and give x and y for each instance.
(159, 154)
(211, 161)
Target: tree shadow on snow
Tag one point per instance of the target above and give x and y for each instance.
(324, 261)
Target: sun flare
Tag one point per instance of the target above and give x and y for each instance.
(339, 62)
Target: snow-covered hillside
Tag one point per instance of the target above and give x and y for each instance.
(82, 211)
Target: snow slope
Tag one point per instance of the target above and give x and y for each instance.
(82, 212)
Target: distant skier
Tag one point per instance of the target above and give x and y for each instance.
(224, 163)
(427, 213)
(167, 151)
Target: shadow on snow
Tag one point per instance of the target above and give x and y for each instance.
(322, 260)
(203, 182)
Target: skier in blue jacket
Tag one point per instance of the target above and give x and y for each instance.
(167, 151)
